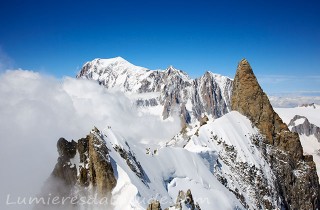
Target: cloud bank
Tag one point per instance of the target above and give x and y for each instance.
(36, 110)
(292, 101)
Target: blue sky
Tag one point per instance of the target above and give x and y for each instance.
(281, 39)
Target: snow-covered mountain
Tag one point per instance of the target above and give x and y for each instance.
(233, 151)
(221, 166)
(167, 92)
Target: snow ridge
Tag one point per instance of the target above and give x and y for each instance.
(208, 167)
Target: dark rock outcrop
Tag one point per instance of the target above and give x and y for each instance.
(92, 167)
(63, 170)
(296, 175)
(305, 128)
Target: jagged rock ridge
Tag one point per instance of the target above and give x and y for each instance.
(172, 89)
(308, 105)
(295, 174)
(304, 127)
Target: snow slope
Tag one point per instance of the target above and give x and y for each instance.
(227, 143)
(166, 172)
(220, 165)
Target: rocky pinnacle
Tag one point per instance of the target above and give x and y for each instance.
(285, 153)
(249, 99)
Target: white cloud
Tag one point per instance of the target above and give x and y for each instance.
(37, 110)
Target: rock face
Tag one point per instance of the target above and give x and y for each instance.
(172, 89)
(296, 176)
(64, 175)
(100, 169)
(249, 99)
(302, 126)
(82, 165)
(63, 169)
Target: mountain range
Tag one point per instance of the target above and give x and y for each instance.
(233, 150)
(169, 91)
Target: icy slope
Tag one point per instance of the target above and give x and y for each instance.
(222, 165)
(166, 172)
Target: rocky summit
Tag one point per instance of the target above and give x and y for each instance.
(296, 176)
(233, 151)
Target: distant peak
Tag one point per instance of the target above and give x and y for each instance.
(119, 58)
(210, 74)
(171, 68)
(116, 59)
(308, 105)
(110, 60)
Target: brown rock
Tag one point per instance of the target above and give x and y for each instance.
(101, 171)
(296, 176)
(95, 167)
(249, 99)
(204, 120)
(154, 205)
